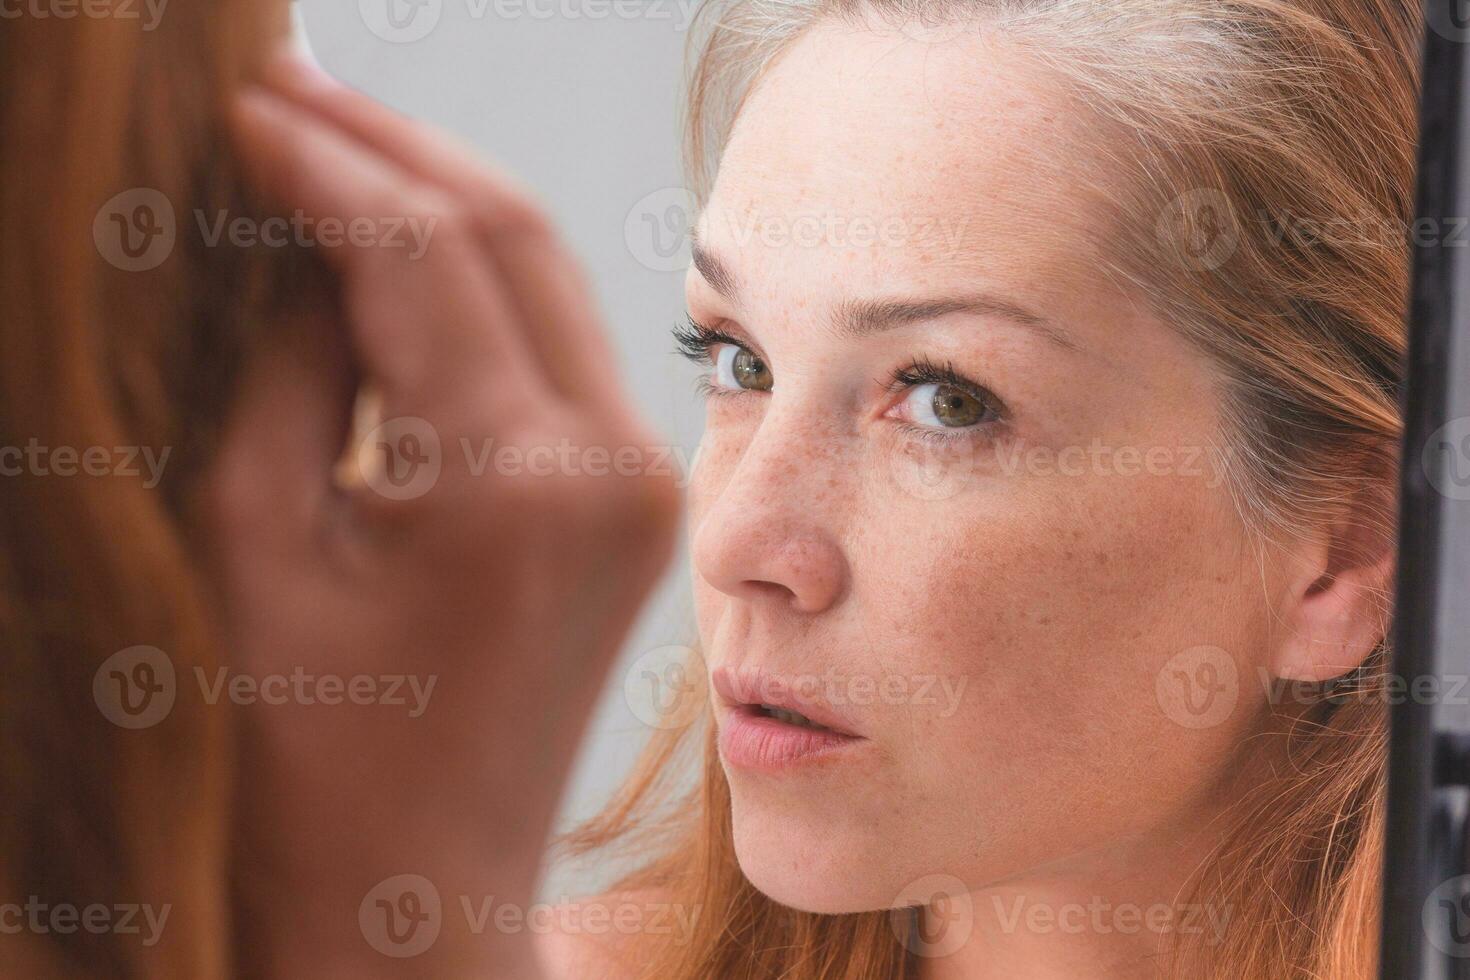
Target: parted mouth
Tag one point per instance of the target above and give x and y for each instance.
(789, 717)
(764, 695)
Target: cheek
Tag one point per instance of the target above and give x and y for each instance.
(1055, 614)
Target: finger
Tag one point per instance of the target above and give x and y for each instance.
(286, 427)
(423, 325)
(542, 277)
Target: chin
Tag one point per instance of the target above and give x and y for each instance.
(807, 864)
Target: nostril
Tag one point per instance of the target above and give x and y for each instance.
(760, 589)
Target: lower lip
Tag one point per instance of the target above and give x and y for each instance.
(752, 740)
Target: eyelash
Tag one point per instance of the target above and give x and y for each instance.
(697, 340)
(923, 371)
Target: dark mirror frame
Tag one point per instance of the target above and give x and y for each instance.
(1426, 911)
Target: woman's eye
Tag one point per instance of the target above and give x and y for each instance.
(945, 406)
(737, 368)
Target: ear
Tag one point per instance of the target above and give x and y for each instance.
(1338, 599)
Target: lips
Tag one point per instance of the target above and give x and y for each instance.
(788, 700)
(769, 725)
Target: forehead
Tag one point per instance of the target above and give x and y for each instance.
(862, 151)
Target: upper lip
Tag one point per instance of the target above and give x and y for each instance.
(736, 688)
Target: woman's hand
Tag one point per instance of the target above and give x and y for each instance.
(489, 548)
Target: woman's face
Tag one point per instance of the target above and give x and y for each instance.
(959, 494)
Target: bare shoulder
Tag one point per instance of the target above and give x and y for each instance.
(608, 937)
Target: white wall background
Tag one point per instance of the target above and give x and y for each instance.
(580, 99)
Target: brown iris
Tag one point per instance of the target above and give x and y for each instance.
(957, 409)
(750, 371)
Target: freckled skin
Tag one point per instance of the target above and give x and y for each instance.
(1055, 598)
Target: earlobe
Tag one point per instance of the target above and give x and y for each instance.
(1339, 596)
(1340, 621)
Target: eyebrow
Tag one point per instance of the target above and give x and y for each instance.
(864, 318)
(711, 268)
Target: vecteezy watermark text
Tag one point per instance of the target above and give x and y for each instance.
(137, 687)
(839, 689)
(406, 21)
(64, 918)
(1099, 459)
(137, 230)
(412, 233)
(34, 459)
(300, 687)
(148, 12)
(1099, 916)
(402, 916)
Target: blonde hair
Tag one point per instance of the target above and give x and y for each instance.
(1294, 123)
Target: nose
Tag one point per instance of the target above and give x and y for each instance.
(771, 536)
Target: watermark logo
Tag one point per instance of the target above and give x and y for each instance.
(1200, 229)
(1198, 687)
(664, 688)
(135, 231)
(1446, 459)
(136, 687)
(944, 920)
(1446, 917)
(401, 458)
(658, 229)
(401, 21)
(401, 916)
